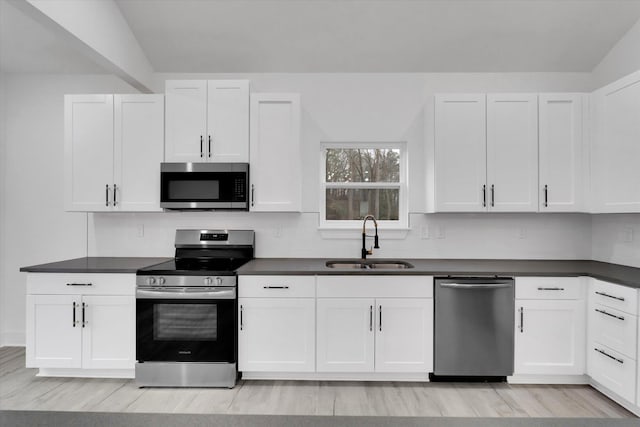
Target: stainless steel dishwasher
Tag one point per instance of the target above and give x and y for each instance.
(474, 328)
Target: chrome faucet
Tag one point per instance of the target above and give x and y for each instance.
(366, 252)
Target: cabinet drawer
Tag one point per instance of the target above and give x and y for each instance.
(277, 286)
(375, 286)
(81, 283)
(613, 370)
(550, 287)
(613, 328)
(615, 296)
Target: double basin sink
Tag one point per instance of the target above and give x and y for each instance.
(372, 264)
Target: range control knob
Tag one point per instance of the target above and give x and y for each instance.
(161, 281)
(151, 280)
(208, 281)
(218, 281)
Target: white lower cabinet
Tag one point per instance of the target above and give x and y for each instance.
(613, 338)
(362, 327)
(550, 326)
(276, 335)
(277, 324)
(549, 337)
(73, 323)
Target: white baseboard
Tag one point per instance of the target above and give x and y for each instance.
(548, 379)
(336, 376)
(12, 339)
(630, 406)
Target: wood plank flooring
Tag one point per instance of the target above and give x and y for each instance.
(21, 389)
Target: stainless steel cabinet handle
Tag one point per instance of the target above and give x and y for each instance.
(475, 285)
(493, 195)
(201, 152)
(209, 146)
(610, 296)
(609, 356)
(253, 190)
(484, 196)
(609, 314)
(79, 284)
(276, 287)
(551, 289)
(380, 315)
(115, 195)
(521, 319)
(84, 322)
(546, 196)
(241, 320)
(106, 195)
(74, 314)
(370, 318)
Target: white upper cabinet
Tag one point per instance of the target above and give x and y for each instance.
(207, 121)
(460, 153)
(560, 151)
(512, 152)
(88, 149)
(113, 150)
(615, 146)
(138, 151)
(275, 172)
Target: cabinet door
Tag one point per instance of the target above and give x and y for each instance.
(404, 335)
(54, 332)
(228, 121)
(512, 152)
(108, 333)
(138, 151)
(88, 151)
(275, 153)
(615, 148)
(460, 153)
(345, 334)
(276, 334)
(186, 120)
(560, 147)
(550, 337)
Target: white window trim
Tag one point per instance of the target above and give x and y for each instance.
(403, 209)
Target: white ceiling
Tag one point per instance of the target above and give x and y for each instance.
(343, 35)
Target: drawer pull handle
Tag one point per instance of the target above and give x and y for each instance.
(551, 289)
(609, 356)
(609, 314)
(610, 296)
(276, 287)
(79, 284)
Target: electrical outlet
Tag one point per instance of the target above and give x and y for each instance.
(627, 235)
(140, 230)
(277, 232)
(440, 234)
(424, 232)
(522, 232)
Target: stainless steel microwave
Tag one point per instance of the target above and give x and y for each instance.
(204, 186)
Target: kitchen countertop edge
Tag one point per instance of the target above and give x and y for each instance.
(95, 265)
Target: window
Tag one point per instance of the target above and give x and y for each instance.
(360, 179)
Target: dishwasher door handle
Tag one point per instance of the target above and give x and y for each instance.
(476, 285)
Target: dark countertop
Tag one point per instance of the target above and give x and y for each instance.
(95, 265)
(624, 275)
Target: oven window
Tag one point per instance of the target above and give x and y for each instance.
(185, 322)
(194, 189)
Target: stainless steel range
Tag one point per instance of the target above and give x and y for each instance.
(186, 311)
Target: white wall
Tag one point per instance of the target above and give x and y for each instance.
(34, 228)
(622, 59)
(2, 196)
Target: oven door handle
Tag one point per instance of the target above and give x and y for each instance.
(186, 293)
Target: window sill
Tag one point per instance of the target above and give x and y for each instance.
(355, 233)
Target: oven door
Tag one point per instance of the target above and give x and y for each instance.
(183, 326)
(204, 186)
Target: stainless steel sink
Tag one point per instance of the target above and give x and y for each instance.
(369, 264)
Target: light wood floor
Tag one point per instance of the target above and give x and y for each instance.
(21, 389)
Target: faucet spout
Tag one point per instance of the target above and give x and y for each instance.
(366, 252)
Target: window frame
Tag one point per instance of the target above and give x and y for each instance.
(401, 185)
